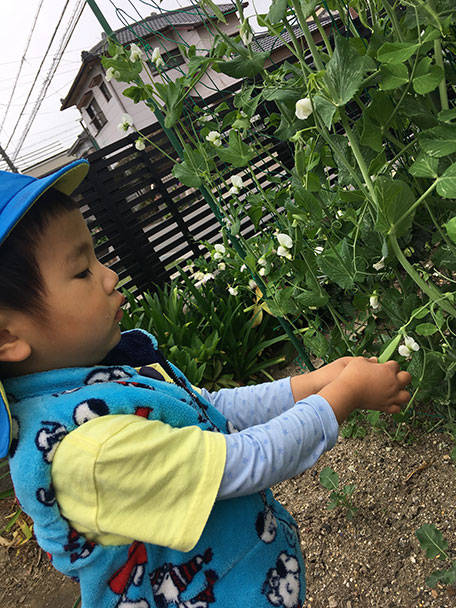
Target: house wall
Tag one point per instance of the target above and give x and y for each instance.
(142, 116)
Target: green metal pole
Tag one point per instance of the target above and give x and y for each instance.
(206, 195)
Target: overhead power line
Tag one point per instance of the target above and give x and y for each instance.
(22, 63)
(77, 12)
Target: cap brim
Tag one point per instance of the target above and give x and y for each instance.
(5, 424)
(66, 180)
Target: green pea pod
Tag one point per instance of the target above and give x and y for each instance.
(389, 350)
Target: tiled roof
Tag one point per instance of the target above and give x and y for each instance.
(187, 16)
(264, 42)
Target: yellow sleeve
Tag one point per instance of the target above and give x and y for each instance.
(124, 478)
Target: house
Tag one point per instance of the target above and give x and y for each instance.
(101, 103)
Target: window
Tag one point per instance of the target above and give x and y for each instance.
(106, 92)
(171, 58)
(97, 118)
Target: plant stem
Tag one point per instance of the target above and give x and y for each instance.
(358, 156)
(414, 206)
(323, 35)
(430, 290)
(443, 85)
(307, 35)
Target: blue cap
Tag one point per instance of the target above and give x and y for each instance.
(17, 194)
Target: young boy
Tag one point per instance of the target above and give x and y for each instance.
(147, 491)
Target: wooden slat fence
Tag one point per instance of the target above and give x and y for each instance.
(144, 220)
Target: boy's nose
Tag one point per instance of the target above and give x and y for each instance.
(110, 280)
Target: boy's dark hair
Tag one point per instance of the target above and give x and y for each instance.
(22, 286)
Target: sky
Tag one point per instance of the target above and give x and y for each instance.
(27, 43)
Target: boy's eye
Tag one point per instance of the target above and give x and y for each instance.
(84, 274)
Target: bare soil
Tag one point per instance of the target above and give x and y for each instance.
(373, 561)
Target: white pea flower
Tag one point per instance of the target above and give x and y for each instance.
(303, 108)
(157, 58)
(284, 252)
(243, 267)
(318, 250)
(140, 144)
(373, 301)
(262, 262)
(221, 266)
(198, 276)
(112, 73)
(126, 122)
(233, 290)
(252, 284)
(410, 346)
(205, 118)
(262, 271)
(237, 182)
(233, 191)
(220, 248)
(285, 241)
(214, 137)
(339, 213)
(246, 33)
(380, 264)
(207, 276)
(135, 53)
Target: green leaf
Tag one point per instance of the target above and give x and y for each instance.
(394, 75)
(308, 6)
(425, 329)
(394, 198)
(446, 185)
(316, 343)
(432, 541)
(450, 227)
(338, 265)
(428, 77)
(345, 71)
(329, 479)
(277, 10)
(424, 166)
(186, 174)
(396, 52)
(136, 93)
(211, 7)
(325, 110)
(447, 577)
(372, 134)
(439, 141)
(243, 66)
(447, 115)
(238, 154)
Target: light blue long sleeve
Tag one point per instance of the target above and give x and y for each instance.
(247, 406)
(278, 440)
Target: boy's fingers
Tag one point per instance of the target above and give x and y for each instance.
(403, 397)
(374, 359)
(404, 378)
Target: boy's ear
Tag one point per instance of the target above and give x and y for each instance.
(12, 348)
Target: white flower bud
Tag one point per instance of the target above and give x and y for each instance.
(379, 265)
(135, 53)
(126, 122)
(285, 241)
(303, 108)
(140, 144)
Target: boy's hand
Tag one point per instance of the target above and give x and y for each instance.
(311, 383)
(366, 384)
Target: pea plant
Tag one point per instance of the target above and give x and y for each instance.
(329, 479)
(360, 250)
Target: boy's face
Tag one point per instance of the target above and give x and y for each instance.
(82, 305)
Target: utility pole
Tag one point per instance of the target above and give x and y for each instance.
(8, 160)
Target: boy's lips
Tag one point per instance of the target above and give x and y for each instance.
(119, 313)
